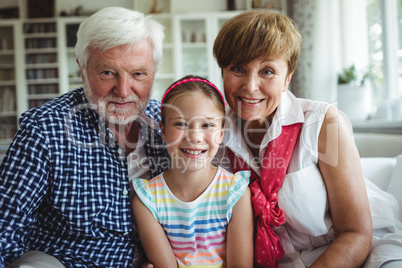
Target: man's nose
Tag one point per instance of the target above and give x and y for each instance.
(123, 87)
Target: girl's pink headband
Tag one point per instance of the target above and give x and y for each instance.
(191, 80)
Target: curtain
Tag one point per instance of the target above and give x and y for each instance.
(316, 74)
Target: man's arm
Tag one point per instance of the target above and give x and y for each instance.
(23, 184)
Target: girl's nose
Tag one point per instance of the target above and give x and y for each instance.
(195, 136)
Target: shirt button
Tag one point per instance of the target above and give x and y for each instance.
(125, 192)
(119, 151)
(110, 135)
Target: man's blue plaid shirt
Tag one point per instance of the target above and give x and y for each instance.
(64, 186)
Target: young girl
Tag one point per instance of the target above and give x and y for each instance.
(194, 214)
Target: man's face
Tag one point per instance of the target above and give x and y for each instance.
(118, 81)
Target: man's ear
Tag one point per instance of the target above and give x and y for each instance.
(82, 74)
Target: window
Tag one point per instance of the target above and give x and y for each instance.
(384, 22)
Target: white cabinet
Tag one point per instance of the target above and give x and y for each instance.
(9, 73)
(193, 43)
(37, 55)
(166, 73)
(70, 77)
(41, 61)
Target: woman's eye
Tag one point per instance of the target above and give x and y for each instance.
(236, 69)
(268, 72)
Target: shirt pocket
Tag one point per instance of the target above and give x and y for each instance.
(303, 198)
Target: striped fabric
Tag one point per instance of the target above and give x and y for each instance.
(196, 230)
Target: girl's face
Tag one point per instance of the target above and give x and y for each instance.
(254, 90)
(192, 131)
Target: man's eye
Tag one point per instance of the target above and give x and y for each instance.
(106, 75)
(138, 73)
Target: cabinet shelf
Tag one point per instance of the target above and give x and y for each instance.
(7, 52)
(42, 81)
(165, 76)
(41, 50)
(8, 114)
(42, 96)
(195, 45)
(40, 35)
(7, 83)
(41, 65)
(7, 66)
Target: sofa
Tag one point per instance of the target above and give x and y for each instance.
(381, 161)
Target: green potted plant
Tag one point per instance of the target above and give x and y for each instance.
(350, 76)
(354, 93)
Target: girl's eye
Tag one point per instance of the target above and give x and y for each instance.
(207, 125)
(180, 124)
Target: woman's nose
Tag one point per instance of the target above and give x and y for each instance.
(251, 83)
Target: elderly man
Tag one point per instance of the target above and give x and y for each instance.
(64, 190)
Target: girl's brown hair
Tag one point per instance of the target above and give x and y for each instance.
(191, 87)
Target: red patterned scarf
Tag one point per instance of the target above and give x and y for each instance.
(268, 248)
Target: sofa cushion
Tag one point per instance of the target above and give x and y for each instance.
(378, 170)
(395, 184)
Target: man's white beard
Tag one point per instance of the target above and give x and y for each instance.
(112, 114)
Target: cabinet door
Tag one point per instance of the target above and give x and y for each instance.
(70, 76)
(217, 20)
(165, 75)
(190, 44)
(41, 61)
(8, 88)
(194, 38)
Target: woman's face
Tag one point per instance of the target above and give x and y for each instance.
(253, 91)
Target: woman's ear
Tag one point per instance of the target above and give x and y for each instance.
(287, 81)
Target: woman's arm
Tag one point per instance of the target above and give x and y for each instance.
(239, 241)
(339, 163)
(152, 236)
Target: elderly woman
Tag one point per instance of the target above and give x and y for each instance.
(311, 202)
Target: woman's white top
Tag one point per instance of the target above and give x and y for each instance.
(308, 229)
